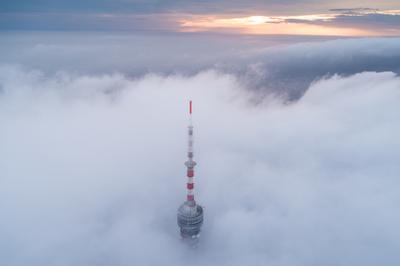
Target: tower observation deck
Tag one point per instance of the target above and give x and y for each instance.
(190, 214)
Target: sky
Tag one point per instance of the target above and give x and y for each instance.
(295, 120)
(305, 17)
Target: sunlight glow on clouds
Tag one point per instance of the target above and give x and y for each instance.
(267, 25)
(310, 24)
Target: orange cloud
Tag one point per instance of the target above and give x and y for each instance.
(293, 25)
(265, 25)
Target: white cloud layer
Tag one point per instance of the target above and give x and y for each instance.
(92, 171)
(283, 65)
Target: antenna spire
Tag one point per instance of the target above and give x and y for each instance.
(190, 163)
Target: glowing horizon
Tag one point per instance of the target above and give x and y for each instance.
(308, 24)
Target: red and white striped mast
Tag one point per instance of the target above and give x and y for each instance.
(190, 214)
(190, 163)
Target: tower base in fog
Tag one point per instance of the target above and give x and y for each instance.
(190, 220)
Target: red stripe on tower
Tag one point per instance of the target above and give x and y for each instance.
(190, 197)
(190, 107)
(190, 173)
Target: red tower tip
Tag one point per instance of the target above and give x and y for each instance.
(190, 107)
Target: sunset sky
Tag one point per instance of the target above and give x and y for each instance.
(304, 17)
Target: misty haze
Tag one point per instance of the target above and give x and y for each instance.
(296, 133)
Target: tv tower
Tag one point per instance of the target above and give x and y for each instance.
(190, 214)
